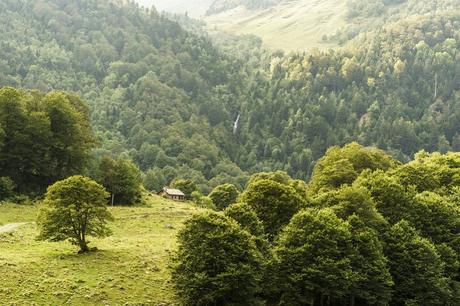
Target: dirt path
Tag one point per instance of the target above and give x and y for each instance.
(10, 227)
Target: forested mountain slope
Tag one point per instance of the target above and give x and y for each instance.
(150, 84)
(398, 89)
(170, 99)
(302, 24)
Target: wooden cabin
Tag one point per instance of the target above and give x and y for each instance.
(172, 194)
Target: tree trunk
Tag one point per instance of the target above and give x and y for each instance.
(83, 247)
(82, 241)
(352, 300)
(112, 198)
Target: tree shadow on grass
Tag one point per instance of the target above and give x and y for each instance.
(95, 255)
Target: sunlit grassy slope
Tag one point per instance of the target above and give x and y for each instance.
(130, 268)
(292, 25)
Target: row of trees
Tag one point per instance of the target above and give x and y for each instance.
(366, 230)
(44, 137)
(48, 137)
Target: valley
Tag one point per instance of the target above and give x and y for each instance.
(230, 152)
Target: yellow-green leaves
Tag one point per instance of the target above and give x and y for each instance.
(74, 209)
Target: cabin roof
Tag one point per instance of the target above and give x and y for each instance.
(174, 192)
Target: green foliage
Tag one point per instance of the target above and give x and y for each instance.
(417, 269)
(45, 138)
(351, 201)
(132, 70)
(357, 93)
(343, 165)
(169, 99)
(186, 186)
(437, 217)
(431, 172)
(153, 86)
(274, 203)
(74, 209)
(121, 178)
(6, 188)
(217, 263)
(373, 284)
(153, 180)
(393, 200)
(224, 195)
(203, 201)
(278, 176)
(246, 218)
(314, 258)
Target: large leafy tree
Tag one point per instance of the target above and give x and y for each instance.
(435, 216)
(273, 202)
(217, 263)
(45, 138)
(73, 210)
(246, 218)
(314, 258)
(373, 283)
(224, 195)
(392, 199)
(416, 267)
(351, 200)
(340, 166)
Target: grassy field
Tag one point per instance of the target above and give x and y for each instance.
(292, 26)
(130, 268)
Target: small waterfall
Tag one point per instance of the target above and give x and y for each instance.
(236, 124)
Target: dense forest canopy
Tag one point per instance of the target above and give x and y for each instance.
(44, 137)
(366, 230)
(150, 84)
(180, 107)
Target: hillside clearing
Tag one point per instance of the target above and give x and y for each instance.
(290, 26)
(131, 266)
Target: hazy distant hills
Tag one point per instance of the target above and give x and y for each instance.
(219, 6)
(195, 8)
(199, 8)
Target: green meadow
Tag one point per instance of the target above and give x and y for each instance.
(129, 268)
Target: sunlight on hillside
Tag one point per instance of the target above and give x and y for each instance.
(292, 25)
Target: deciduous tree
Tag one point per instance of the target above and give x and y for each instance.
(217, 263)
(73, 210)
